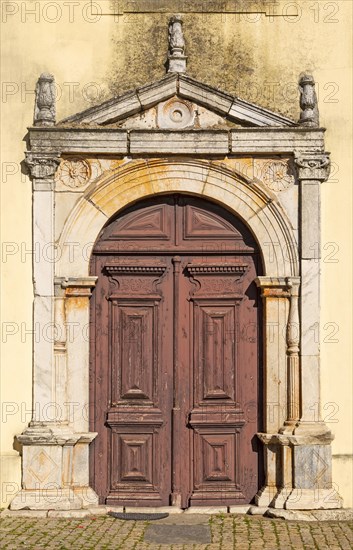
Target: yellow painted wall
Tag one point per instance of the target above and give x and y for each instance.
(259, 58)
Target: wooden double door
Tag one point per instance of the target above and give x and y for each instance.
(174, 364)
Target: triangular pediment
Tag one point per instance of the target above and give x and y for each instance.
(177, 102)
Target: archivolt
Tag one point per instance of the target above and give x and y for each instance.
(140, 179)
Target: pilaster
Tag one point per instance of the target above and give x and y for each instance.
(42, 168)
(312, 170)
(54, 447)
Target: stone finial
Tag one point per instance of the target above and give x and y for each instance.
(176, 56)
(309, 113)
(44, 107)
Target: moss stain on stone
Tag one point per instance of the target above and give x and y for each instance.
(238, 57)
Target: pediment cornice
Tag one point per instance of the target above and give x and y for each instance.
(232, 108)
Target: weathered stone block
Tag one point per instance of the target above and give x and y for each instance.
(205, 95)
(248, 112)
(42, 466)
(183, 142)
(46, 499)
(158, 91)
(271, 140)
(312, 466)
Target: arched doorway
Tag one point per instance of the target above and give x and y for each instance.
(175, 377)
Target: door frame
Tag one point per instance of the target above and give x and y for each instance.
(60, 435)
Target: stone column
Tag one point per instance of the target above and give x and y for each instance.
(312, 169)
(42, 167)
(293, 363)
(275, 294)
(54, 447)
(310, 440)
(77, 293)
(60, 351)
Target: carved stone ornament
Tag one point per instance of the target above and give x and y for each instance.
(313, 167)
(42, 165)
(175, 113)
(74, 173)
(176, 56)
(309, 113)
(278, 175)
(44, 107)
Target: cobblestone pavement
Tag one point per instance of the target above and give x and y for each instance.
(238, 532)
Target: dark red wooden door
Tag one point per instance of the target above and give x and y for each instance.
(175, 378)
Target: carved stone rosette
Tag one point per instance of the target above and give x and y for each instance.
(278, 175)
(313, 167)
(74, 173)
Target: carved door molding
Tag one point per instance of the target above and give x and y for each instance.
(175, 375)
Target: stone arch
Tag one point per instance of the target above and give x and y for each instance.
(138, 179)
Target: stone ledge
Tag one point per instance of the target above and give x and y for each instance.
(345, 514)
(24, 513)
(293, 440)
(289, 515)
(152, 510)
(240, 509)
(207, 510)
(257, 510)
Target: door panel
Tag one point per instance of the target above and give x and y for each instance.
(135, 438)
(174, 357)
(214, 350)
(221, 314)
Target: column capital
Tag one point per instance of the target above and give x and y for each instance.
(278, 287)
(42, 165)
(293, 284)
(312, 166)
(75, 286)
(53, 433)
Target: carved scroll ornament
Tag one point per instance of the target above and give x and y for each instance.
(134, 278)
(42, 165)
(219, 279)
(313, 167)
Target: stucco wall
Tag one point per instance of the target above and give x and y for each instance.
(257, 57)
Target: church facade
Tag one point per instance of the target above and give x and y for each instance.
(179, 300)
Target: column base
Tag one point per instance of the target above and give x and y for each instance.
(87, 495)
(55, 464)
(298, 499)
(280, 499)
(313, 499)
(265, 496)
(46, 499)
(316, 430)
(299, 469)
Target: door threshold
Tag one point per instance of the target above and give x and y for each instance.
(240, 509)
(151, 509)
